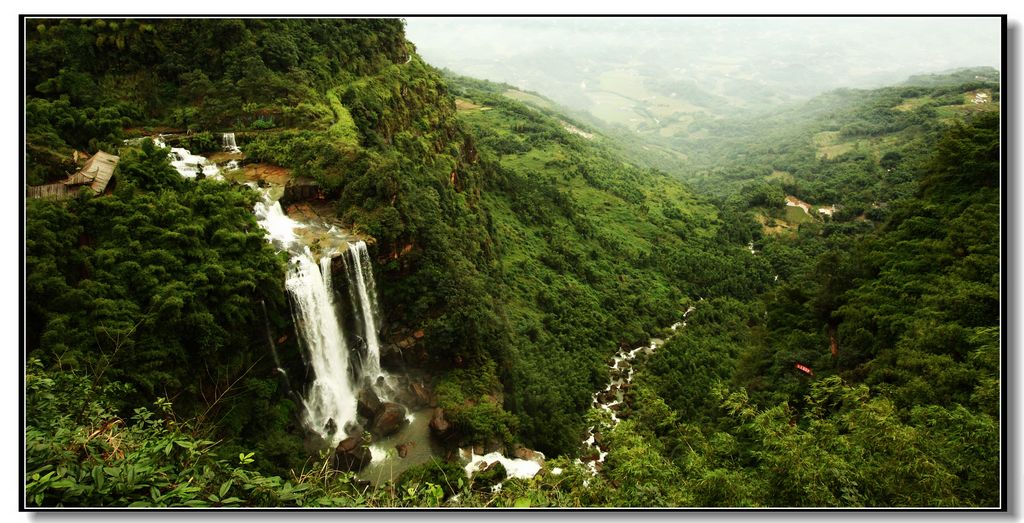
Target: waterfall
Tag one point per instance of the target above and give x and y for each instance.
(191, 165)
(330, 401)
(187, 164)
(228, 142)
(363, 294)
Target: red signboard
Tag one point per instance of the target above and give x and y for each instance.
(804, 368)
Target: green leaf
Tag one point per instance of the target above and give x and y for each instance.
(522, 503)
(98, 478)
(225, 487)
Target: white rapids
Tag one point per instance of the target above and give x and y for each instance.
(615, 386)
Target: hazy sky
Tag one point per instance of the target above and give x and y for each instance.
(752, 59)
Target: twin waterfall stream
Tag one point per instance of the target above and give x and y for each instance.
(344, 366)
(330, 403)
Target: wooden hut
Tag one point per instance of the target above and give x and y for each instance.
(95, 174)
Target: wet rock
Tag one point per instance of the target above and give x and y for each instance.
(403, 449)
(415, 395)
(438, 425)
(478, 449)
(330, 427)
(299, 189)
(422, 396)
(528, 454)
(367, 402)
(389, 420)
(352, 454)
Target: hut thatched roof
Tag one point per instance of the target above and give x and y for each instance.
(96, 173)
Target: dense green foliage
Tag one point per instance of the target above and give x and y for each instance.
(911, 394)
(527, 245)
(88, 79)
(81, 452)
(156, 289)
(594, 253)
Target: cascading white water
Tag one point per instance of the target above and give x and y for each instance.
(228, 142)
(325, 269)
(608, 404)
(363, 293)
(330, 402)
(187, 164)
(191, 165)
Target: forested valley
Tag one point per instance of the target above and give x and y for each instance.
(514, 304)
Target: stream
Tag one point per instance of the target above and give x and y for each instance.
(611, 398)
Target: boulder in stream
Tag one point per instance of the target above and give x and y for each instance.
(522, 452)
(390, 419)
(422, 395)
(404, 448)
(352, 454)
(367, 402)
